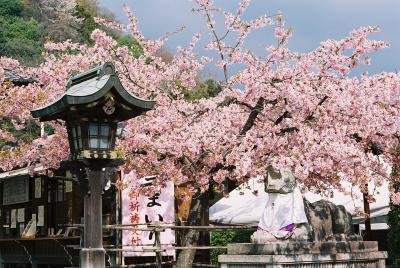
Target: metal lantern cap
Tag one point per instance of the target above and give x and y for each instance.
(95, 93)
(94, 102)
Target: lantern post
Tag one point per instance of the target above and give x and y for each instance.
(92, 105)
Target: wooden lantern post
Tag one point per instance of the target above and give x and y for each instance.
(92, 105)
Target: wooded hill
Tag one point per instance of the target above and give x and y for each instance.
(25, 25)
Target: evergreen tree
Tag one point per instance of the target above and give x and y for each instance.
(20, 38)
(10, 8)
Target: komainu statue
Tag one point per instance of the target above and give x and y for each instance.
(288, 216)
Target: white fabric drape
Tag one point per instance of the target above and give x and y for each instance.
(281, 210)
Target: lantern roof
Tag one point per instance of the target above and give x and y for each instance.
(90, 92)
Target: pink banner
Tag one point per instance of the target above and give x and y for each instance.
(136, 208)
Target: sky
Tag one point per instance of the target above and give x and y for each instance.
(313, 21)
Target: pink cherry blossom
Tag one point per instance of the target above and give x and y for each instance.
(298, 110)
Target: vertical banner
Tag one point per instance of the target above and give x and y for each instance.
(13, 218)
(40, 220)
(136, 208)
(38, 187)
(21, 215)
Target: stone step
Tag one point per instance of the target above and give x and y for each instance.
(287, 248)
(340, 260)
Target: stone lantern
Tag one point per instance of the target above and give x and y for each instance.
(94, 102)
(92, 105)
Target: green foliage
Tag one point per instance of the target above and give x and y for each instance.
(29, 133)
(10, 8)
(206, 89)
(133, 45)
(17, 27)
(87, 13)
(21, 36)
(20, 39)
(48, 129)
(395, 262)
(225, 237)
(88, 24)
(394, 232)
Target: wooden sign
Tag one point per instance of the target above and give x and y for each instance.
(38, 187)
(13, 218)
(40, 221)
(21, 215)
(16, 190)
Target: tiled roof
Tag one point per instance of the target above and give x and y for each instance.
(14, 77)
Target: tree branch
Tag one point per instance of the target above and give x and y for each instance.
(286, 114)
(253, 116)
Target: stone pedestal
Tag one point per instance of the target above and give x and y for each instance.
(92, 258)
(304, 254)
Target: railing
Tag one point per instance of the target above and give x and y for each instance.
(157, 247)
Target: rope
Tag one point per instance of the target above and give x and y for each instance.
(108, 258)
(26, 250)
(66, 251)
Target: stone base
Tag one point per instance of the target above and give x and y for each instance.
(304, 254)
(92, 258)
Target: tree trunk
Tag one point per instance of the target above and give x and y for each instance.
(200, 205)
(191, 237)
(186, 256)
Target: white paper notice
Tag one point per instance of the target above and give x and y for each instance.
(40, 221)
(38, 187)
(13, 218)
(21, 215)
(68, 186)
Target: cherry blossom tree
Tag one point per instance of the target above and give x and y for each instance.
(57, 17)
(305, 111)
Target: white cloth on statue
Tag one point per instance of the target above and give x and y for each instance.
(282, 210)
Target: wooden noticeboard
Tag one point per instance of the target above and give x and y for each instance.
(16, 190)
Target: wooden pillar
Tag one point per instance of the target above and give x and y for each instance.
(367, 212)
(93, 254)
(204, 255)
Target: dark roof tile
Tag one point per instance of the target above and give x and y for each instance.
(14, 77)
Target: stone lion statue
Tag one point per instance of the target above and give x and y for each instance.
(289, 216)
